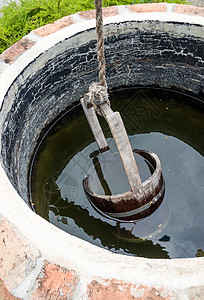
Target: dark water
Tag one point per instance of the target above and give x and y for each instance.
(110, 164)
(167, 123)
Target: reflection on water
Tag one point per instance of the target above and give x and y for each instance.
(166, 123)
(107, 166)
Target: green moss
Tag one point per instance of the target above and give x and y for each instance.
(19, 20)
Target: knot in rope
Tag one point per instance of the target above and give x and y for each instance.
(97, 96)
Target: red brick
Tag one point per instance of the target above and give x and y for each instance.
(53, 27)
(5, 294)
(145, 8)
(12, 53)
(54, 282)
(120, 290)
(189, 10)
(91, 14)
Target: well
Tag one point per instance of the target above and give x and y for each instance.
(159, 45)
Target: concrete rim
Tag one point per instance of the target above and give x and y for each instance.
(88, 261)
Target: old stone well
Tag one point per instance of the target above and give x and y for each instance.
(47, 72)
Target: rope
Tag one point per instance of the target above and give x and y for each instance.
(100, 43)
(98, 94)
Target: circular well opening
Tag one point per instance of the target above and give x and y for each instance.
(143, 53)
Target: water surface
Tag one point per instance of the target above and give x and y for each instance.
(164, 122)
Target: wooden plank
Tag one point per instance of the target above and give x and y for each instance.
(121, 138)
(95, 126)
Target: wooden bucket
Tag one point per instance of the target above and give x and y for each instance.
(129, 206)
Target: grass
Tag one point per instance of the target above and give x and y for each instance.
(19, 20)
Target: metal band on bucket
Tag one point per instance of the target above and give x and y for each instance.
(140, 209)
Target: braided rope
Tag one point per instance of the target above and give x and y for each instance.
(98, 94)
(100, 43)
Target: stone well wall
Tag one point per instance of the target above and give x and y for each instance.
(41, 76)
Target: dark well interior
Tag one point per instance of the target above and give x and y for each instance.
(145, 53)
